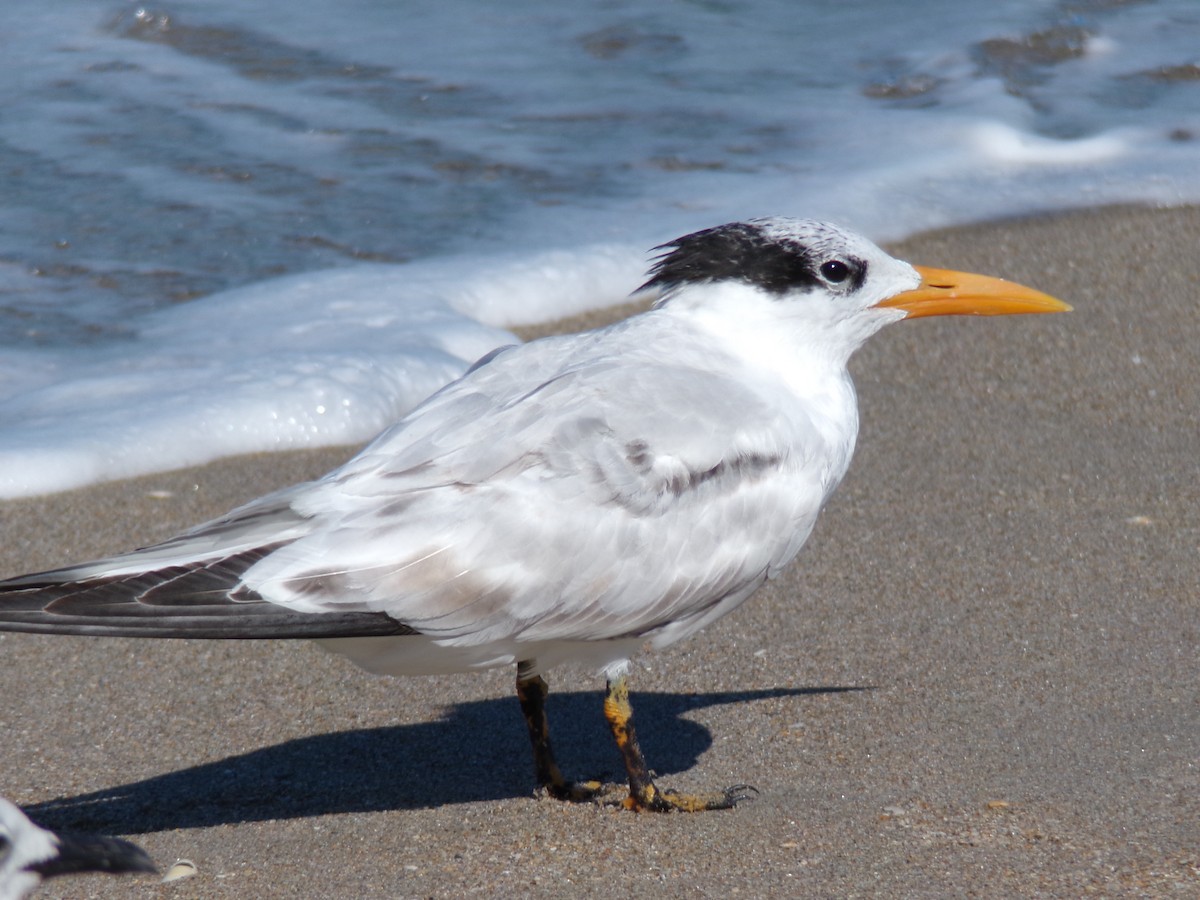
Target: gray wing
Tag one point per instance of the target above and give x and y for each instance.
(189, 586)
(614, 496)
(571, 488)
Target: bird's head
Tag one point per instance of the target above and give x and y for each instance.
(827, 277)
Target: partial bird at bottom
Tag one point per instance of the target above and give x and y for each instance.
(29, 854)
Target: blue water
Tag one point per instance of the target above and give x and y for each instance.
(469, 166)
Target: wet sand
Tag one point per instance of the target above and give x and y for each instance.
(979, 678)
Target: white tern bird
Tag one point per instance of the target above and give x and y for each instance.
(566, 500)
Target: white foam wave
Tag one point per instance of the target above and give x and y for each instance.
(303, 361)
(999, 142)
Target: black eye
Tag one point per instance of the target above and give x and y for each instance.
(835, 271)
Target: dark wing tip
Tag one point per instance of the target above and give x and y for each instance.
(203, 600)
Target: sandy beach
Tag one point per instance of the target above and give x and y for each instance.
(980, 678)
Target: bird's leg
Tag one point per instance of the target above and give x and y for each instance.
(531, 692)
(643, 793)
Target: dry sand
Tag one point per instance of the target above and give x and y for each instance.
(980, 678)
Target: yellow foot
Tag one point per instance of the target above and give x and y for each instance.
(654, 800)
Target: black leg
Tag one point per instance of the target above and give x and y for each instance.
(531, 692)
(643, 793)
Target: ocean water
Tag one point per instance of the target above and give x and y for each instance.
(228, 227)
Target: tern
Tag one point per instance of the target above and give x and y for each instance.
(29, 854)
(568, 500)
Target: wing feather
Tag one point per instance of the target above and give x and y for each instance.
(178, 601)
(580, 488)
(609, 501)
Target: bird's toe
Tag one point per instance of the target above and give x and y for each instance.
(654, 800)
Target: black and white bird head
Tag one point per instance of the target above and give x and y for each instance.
(830, 281)
(29, 854)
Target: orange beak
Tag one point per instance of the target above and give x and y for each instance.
(943, 292)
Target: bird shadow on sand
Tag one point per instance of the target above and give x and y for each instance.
(477, 752)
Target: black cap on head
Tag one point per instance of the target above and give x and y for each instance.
(759, 252)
